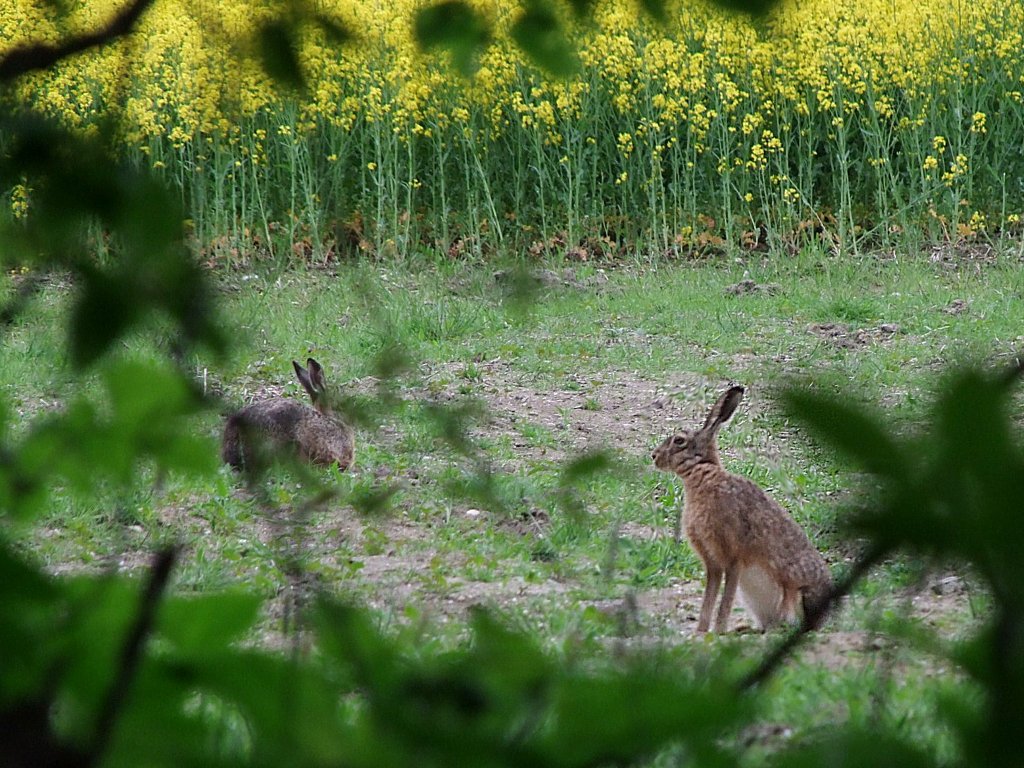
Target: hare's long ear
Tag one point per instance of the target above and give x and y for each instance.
(305, 379)
(722, 410)
(316, 375)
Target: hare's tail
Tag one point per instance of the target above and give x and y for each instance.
(231, 447)
(816, 603)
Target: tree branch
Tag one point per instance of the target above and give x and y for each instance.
(33, 57)
(131, 653)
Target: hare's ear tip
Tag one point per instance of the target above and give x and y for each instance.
(737, 389)
(297, 365)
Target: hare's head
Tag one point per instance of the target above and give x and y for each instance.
(686, 449)
(313, 381)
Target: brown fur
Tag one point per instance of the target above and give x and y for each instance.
(258, 432)
(741, 533)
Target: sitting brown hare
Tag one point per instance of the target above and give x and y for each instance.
(742, 533)
(254, 434)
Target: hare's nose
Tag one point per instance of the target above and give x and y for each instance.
(654, 455)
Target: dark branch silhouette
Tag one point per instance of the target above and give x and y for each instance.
(131, 652)
(39, 56)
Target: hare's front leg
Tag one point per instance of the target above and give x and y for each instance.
(707, 607)
(732, 580)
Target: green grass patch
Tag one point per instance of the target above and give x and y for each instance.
(468, 439)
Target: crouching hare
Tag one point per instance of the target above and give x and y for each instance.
(253, 434)
(742, 533)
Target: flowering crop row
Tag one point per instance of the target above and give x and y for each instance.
(858, 117)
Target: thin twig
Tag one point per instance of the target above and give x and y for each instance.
(131, 653)
(812, 618)
(34, 57)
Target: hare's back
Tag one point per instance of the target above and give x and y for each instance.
(278, 418)
(323, 439)
(779, 541)
(760, 529)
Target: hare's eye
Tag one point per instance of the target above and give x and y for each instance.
(679, 441)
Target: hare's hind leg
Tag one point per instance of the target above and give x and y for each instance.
(707, 606)
(815, 604)
(231, 445)
(728, 598)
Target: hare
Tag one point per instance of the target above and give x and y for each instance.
(315, 434)
(741, 532)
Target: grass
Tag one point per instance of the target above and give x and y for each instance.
(611, 362)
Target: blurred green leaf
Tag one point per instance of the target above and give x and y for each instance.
(30, 611)
(959, 498)
(100, 613)
(336, 32)
(452, 423)
(278, 48)
(959, 501)
(855, 749)
(656, 10)
(374, 499)
(165, 726)
(104, 311)
(578, 471)
(582, 9)
(613, 718)
(976, 481)
(584, 466)
(850, 430)
(486, 488)
(541, 36)
(511, 661)
(208, 623)
(348, 636)
(520, 288)
(392, 361)
(290, 708)
(503, 701)
(456, 27)
(144, 418)
(753, 7)
(76, 184)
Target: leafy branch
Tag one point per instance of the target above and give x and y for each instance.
(35, 57)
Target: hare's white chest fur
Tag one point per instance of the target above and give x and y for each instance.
(761, 595)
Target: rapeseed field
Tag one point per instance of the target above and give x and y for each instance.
(856, 120)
